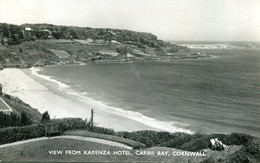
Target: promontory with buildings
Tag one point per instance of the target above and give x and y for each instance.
(30, 45)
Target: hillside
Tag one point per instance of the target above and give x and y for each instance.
(19, 107)
(80, 149)
(45, 44)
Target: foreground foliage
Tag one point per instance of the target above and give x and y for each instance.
(13, 119)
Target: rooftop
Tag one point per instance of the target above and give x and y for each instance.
(4, 107)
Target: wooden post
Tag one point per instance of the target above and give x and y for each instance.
(92, 120)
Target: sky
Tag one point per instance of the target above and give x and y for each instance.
(215, 20)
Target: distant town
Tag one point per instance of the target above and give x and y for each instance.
(218, 45)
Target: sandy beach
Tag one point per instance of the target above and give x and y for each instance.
(46, 97)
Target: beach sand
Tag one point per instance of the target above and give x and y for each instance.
(46, 96)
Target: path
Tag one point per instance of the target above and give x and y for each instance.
(95, 140)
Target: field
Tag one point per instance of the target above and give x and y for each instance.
(60, 53)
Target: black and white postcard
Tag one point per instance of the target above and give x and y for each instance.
(130, 81)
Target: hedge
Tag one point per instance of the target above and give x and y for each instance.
(12, 134)
(201, 141)
(103, 130)
(69, 123)
(182, 140)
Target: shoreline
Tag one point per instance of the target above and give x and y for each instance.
(46, 97)
(66, 63)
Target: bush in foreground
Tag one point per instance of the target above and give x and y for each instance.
(250, 152)
(12, 134)
(184, 141)
(103, 130)
(69, 123)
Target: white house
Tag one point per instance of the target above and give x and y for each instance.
(28, 29)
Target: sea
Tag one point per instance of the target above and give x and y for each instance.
(219, 94)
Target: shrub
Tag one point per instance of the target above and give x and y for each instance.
(195, 145)
(253, 148)
(146, 141)
(13, 134)
(123, 134)
(139, 146)
(102, 130)
(7, 96)
(248, 153)
(69, 123)
(240, 138)
(180, 138)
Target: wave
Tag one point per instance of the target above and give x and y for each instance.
(35, 71)
(139, 117)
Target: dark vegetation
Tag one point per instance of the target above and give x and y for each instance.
(45, 117)
(14, 34)
(7, 120)
(12, 134)
(184, 141)
(250, 152)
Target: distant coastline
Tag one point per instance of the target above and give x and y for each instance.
(39, 45)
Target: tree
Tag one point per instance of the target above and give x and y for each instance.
(2, 120)
(24, 119)
(15, 119)
(45, 117)
(5, 30)
(124, 50)
(20, 35)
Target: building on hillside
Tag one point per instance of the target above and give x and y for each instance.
(47, 33)
(28, 33)
(4, 107)
(28, 29)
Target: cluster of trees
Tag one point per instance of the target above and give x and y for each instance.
(126, 36)
(13, 119)
(15, 35)
(12, 33)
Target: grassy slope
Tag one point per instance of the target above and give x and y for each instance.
(85, 133)
(38, 151)
(18, 106)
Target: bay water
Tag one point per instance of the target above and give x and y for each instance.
(209, 95)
